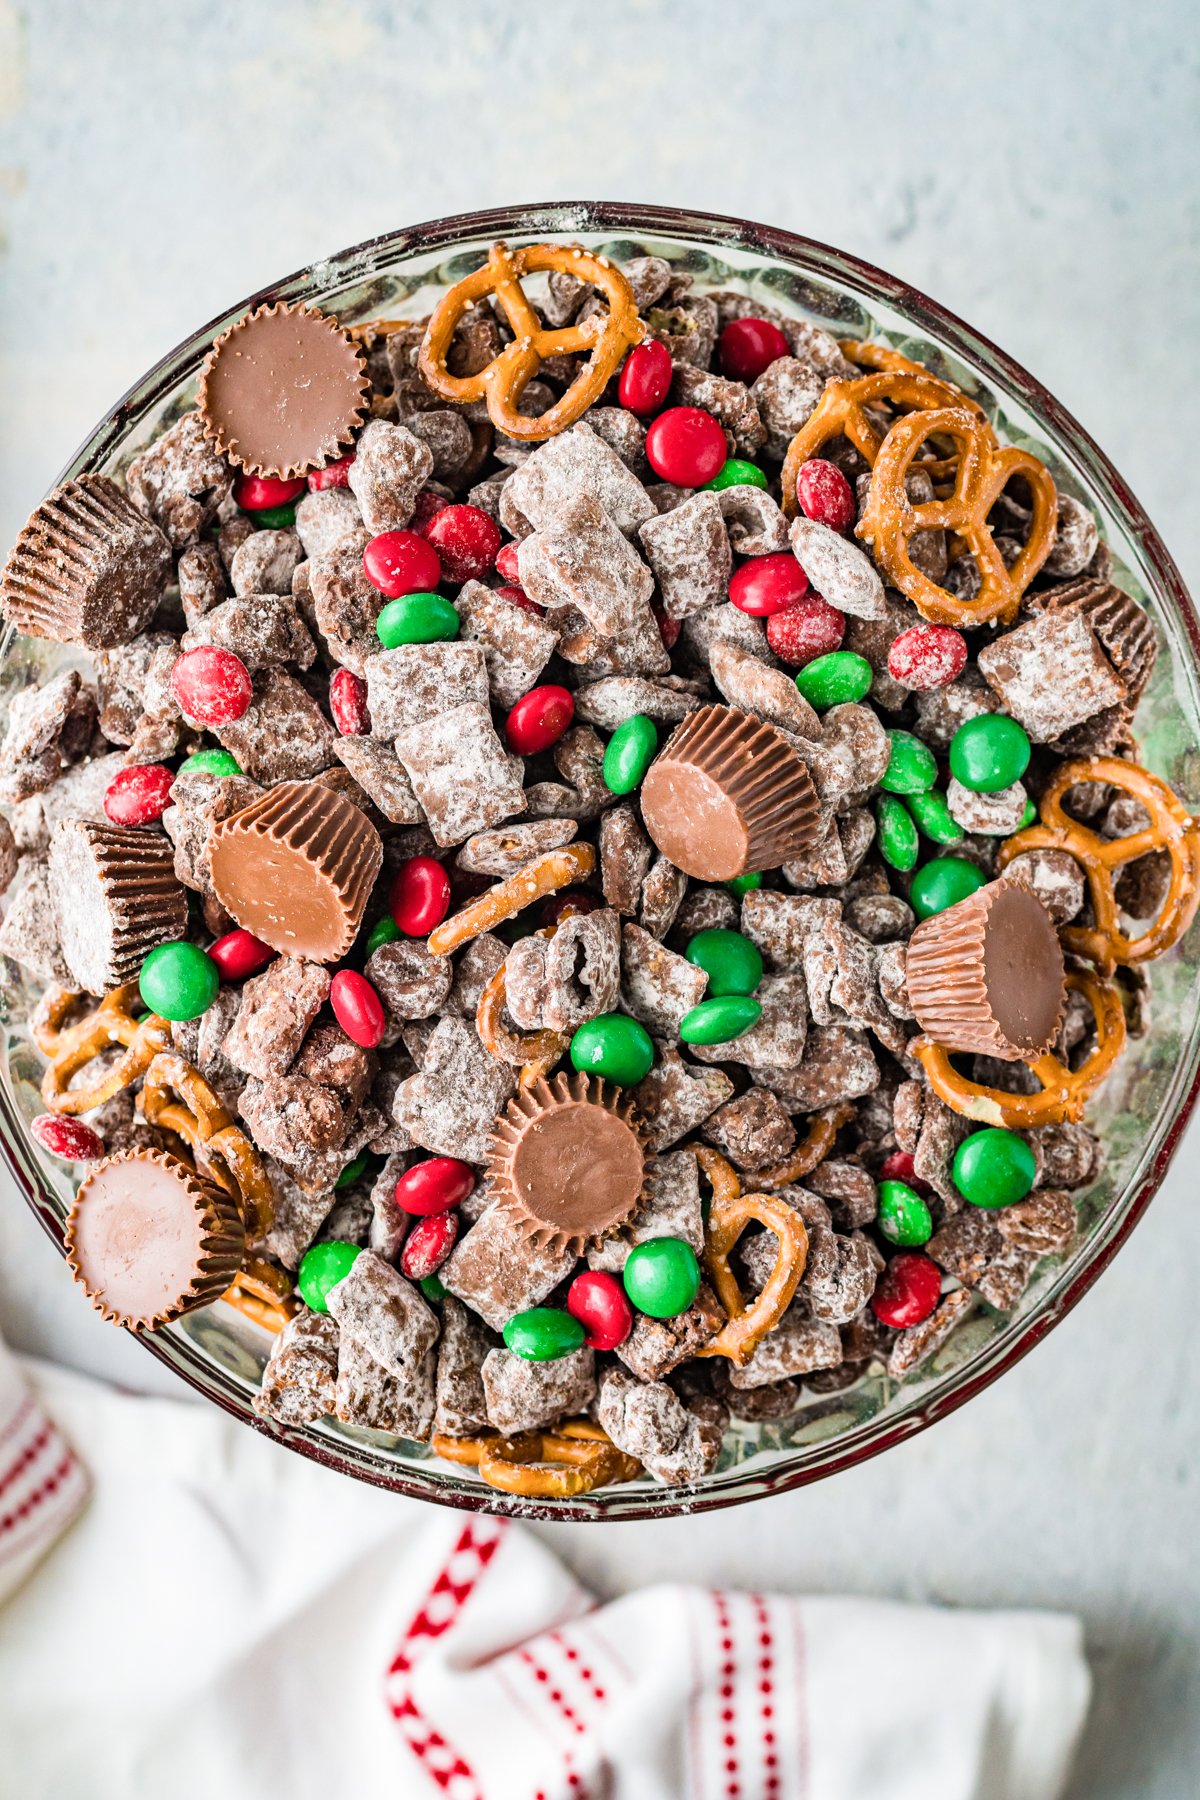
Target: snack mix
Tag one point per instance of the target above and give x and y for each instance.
(599, 862)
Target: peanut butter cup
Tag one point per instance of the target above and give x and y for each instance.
(987, 974)
(87, 568)
(567, 1162)
(116, 896)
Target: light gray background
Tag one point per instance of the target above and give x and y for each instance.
(1033, 165)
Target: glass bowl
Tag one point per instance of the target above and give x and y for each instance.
(1141, 1112)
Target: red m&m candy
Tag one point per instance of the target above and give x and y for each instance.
(560, 906)
(70, 1139)
(357, 1008)
(598, 1301)
(825, 494)
(435, 1185)
(334, 474)
(348, 703)
(467, 540)
(139, 794)
(211, 686)
(899, 1166)
(668, 628)
(507, 565)
(927, 656)
(806, 630)
(748, 346)
(907, 1291)
(518, 597)
(686, 446)
(401, 562)
(646, 377)
(768, 584)
(428, 1245)
(258, 493)
(239, 954)
(427, 506)
(420, 895)
(539, 719)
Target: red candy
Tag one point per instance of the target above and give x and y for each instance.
(467, 540)
(420, 895)
(570, 900)
(211, 687)
(69, 1138)
(686, 446)
(138, 795)
(348, 703)
(899, 1167)
(428, 1245)
(668, 628)
(539, 719)
(255, 493)
(357, 1008)
(748, 346)
(809, 629)
(428, 506)
(598, 1301)
(401, 562)
(239, 954)
(646, 377)
(927, 656)
(507, 565)
(768, 584)
(334, 474)
(518, 597)
(825, 495)
(434, 1186)
(908, 1290)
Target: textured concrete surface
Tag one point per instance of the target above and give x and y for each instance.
(1036, 168)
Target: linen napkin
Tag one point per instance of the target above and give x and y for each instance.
(43, 1486)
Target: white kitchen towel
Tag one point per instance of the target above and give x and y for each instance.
(43, 1486)
(228, 1619)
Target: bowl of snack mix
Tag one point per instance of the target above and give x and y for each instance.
(596, 824)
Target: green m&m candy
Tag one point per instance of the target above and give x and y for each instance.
(274, 518)
(629, 754)
(731, 962)
(904, 1217)
(737, 473)
(416, 619)
(993, 1168)
(744, 884)
(718, 1021)
(898, 844)
(321, 1268)
(352, 1171)
(662, 1277)
(431, 1287)
(942, 883)
(833, 679)
(211, 762)
(179, 981)
(1028, 816)
(989, 753)
(912, 767)
(383, 931)
(934, 818)
(543, 1333)
(614, 1046)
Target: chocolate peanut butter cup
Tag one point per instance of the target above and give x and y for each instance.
(567, 1162)
(987, 974)
(148, 1239)
(87, 568)
(296, 868)
(728, 794)
(116, 896)
(282, 391)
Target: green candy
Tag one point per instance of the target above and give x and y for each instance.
(904, 1217)
(431, 1287)
(942, 883)
(179, 981)
(274, 518)
(993, 1168)
(211, 762)
(898, 844)
(662, 1277)
(718, 1021)
(629, 754)
(912, 767)
(737, 473)
(730, 961)
(989, 753)
(352, 1171)
(833, 679)
(744, 884)
(1028, 816)
(543, 1333)
(416, 619)
(383, 931)
(934, 817)
(614, 1046)
(321, 1268)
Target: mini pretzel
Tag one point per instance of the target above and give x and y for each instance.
(72, 1047)
(606, 336)
(264, 1293)
(367, 330)
(722, 1177)
(175, 1097)
(818, 1141)
(891, 519)
(746, 1326)
(1171, 829)
(547, 873)
(536, 1052)
(544, 1465)
(1065, 1091)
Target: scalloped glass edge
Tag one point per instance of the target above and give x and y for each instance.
(1141, 1112)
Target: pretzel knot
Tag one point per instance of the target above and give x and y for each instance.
(813, 1148)
(264, 1293)
(572, 1459)
(536, 1052)
(1064, 1091)
(71, 1047)
(890, 519)
(1171, 830)
(175, 1097)
(606, 337)
(728, 1217)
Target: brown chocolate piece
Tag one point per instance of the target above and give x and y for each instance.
(149, 1240)
(567, 1162)
(117, 898)
(282, 390)
(87, 567)
(987, 974)
(296, 868)
(728, 794)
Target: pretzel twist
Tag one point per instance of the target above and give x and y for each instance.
(175, 1097)
(72, 1047)
(1171, 830)
(572, 1459)
(1064, 1093)
(547, 873)
(890, 519)
(264, 1294)
(813, 1148)
(746, 1326)
(535, 1052)
(604, 337)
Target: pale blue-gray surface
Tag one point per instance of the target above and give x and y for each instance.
(1035, 166)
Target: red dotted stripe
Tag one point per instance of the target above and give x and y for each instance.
(30, 1454)
(766, 1699)
(566, 1712)
(731, 1762)
(18, 1419)
(18, 1515)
